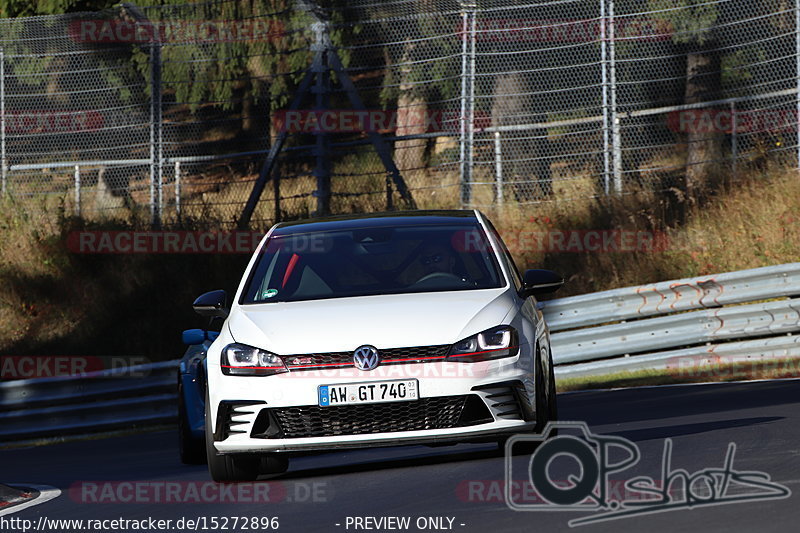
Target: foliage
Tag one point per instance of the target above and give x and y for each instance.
(692, 21)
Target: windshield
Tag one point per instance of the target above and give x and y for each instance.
(370, 261)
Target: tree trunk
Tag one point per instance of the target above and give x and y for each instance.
(247, 109)
(412, 112)
(523, 153)
(704, 149)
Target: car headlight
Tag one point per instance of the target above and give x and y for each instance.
(494, 343)
(243, 360)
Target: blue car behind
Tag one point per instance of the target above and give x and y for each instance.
(191, 395)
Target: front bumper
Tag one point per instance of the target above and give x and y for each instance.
(241, 406)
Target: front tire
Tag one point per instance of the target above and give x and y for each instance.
(242, 467)
(227, 468)
(545, 406)
(191, 448)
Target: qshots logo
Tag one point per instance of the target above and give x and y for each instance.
(598, 457)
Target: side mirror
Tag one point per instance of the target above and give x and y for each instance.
(212, 304)
(191, 337)
(536, 282)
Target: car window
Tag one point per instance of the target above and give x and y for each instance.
(512, 266)
(370, 261)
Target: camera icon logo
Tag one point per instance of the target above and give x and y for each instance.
(573, 441)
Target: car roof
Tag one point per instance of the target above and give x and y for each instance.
(376, 220)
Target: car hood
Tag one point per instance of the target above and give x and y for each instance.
(386, 321)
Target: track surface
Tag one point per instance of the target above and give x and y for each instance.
(762, 418)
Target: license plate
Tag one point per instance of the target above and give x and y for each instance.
(370, 392)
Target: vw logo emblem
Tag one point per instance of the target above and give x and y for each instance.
(366, 358)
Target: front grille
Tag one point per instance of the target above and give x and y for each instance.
(441, 412)
(413, 354)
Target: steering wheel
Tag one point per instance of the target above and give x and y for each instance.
(444, 276)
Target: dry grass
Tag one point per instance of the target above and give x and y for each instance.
(740, 371)
(52, 301)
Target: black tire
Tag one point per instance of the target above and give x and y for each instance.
(192, 450)
(546, 408)
(542, 394)
(228, 468)
(552, 401)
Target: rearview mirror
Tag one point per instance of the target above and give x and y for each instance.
(213, 304)
(536, 282)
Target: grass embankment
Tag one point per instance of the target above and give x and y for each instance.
(56, 302)
(738, 371)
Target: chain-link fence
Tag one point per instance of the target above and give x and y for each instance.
(169, 111)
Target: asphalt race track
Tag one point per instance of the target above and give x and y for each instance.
(432, 486)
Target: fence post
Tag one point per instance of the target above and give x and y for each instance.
(156, 171)
(797, 74)
(734, 139)
(77, 191)
(468, 12)
(498, 167)
(3, 161)
(604, 83)
(178, 190)
(389, 192)
(322, 170)
(616, 134)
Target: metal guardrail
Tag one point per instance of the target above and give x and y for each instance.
(648, 326)
(97, 401)
(680, 325)
(673, 296)
(691, 361)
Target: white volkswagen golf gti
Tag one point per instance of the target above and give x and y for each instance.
(375, 330)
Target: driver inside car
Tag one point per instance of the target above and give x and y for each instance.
(437, 261)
